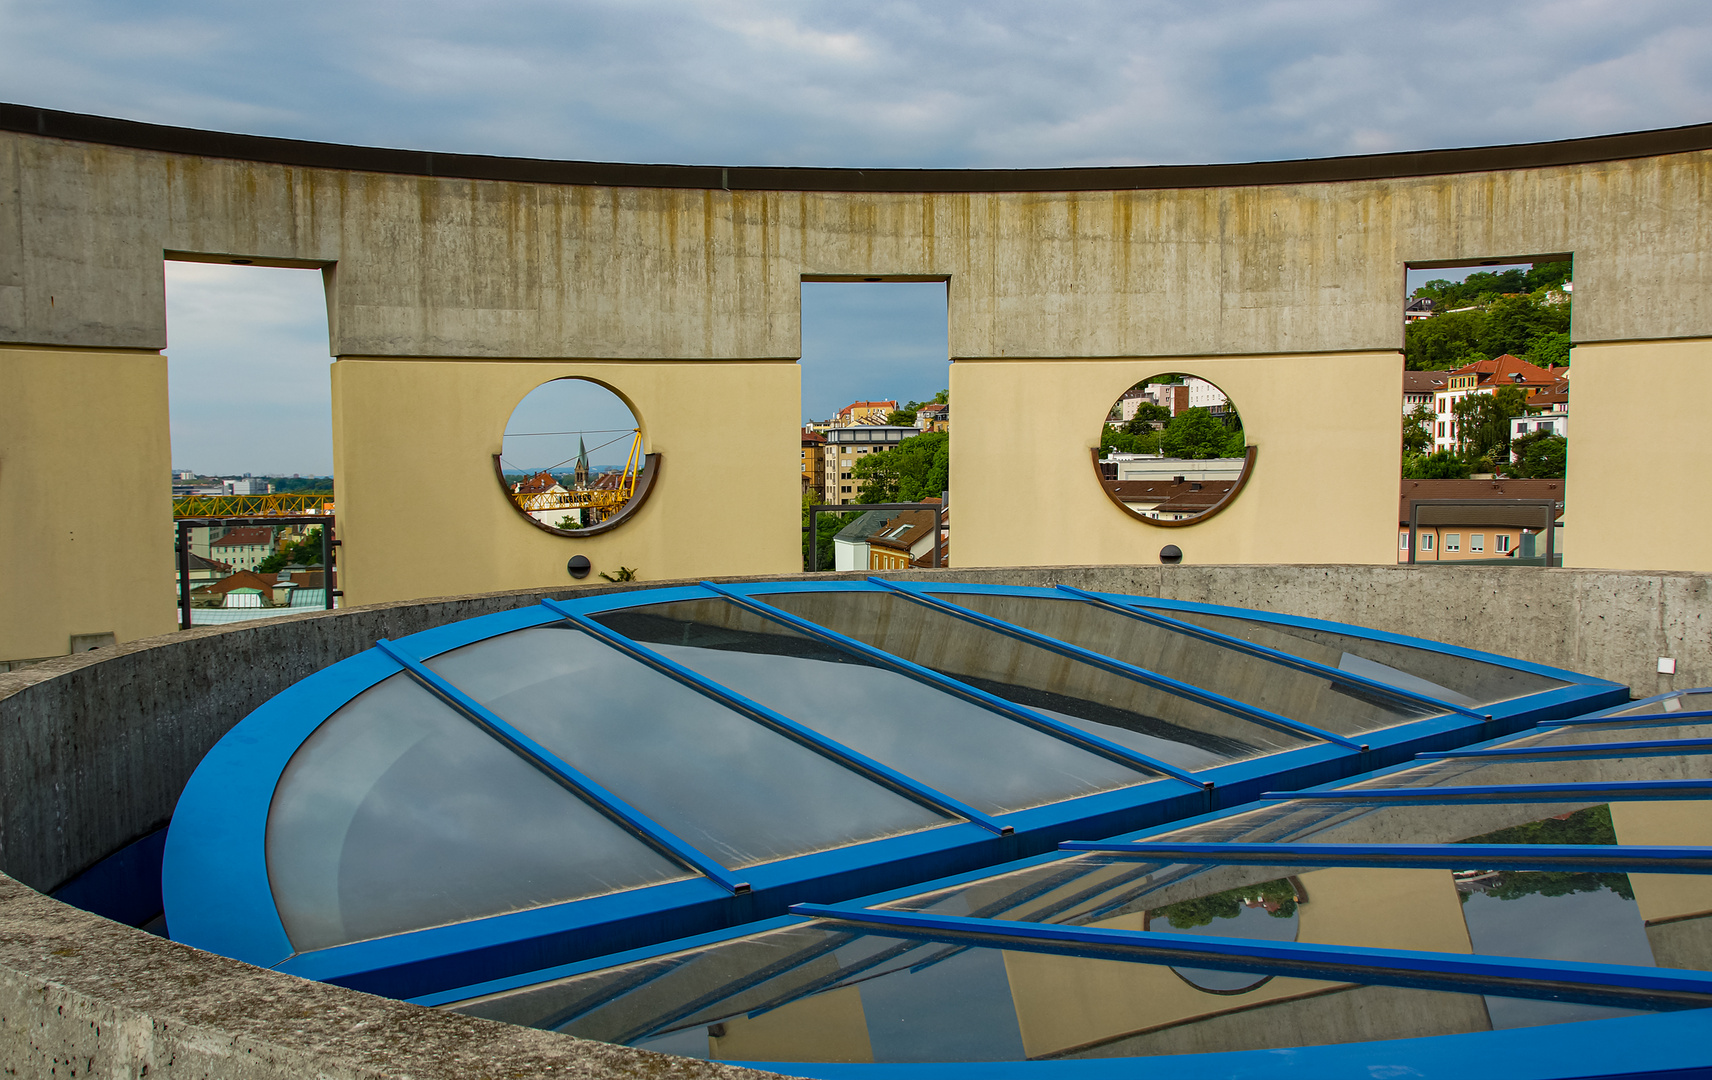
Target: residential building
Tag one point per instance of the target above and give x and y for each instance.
(1416, 309)
(934, 416)
(1158, 468)
(1483, 377)
(847, 445)
(242, 548)
(885, 540)
(865, 412)
(813, 462)
(1493, 531)
(1419, 388)
(1547, 411)
(1172, 499)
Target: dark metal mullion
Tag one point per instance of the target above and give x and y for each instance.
(628, 817)
(1021, 714)
(1604, 857)
(1651, 748)
(858, 762)
(1508, 976)
(1275, 656)
(1163, 683)
(1629, 790)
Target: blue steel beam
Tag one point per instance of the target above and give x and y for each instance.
(1603, 857)
(784, 725)
(1165, 683)
(1652, 748)
(1624, 791)
(1277, 656)
(1009, 710)
(1502, 975)
(1630, 718)
(632, 819)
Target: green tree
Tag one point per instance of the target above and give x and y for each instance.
(1513, 323)
(1444, 465)
(1548, 350)
(1188, 914)
(1123, 442)
(1194, 433)
(304, 552)
(1483, 422)
(1540, 455)
(1146, 415)
(1445, 342)
(1418, 430)
(917, 468)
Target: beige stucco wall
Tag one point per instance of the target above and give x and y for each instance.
(1324, 487)
(1629, 397)
(85, 498)
(420, 509)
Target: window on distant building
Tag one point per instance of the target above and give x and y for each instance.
(1441, 429)
(1503, 541)
(1477, 542)
(845, 490)
(1402, 541)
(1453, 541)
(1426, 541)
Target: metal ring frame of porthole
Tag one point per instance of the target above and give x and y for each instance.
(215, 876)
(1674, 1041)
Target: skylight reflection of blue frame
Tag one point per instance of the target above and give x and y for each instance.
(1653, 748)
(1623, 859)
(838, 752)
(638, 823)
(1020, 713)
(1277, 656)
(1503, 976)
(1129, 671)
(1626, 791)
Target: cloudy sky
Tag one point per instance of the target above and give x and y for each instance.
(882, 83)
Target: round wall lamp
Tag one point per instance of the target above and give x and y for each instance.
(578, 567)
(1170, 555)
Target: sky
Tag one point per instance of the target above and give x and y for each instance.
(943, 84)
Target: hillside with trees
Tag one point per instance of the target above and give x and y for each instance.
(1484, 316)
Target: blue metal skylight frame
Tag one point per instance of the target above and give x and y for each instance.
(1673, 1045)
(219, 833)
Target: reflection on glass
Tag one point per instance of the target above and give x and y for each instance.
(731, 787)
(1172, 449)
(1264, 911)
(1355, 822)
(1347, 708)
(1481, 772)
(979, 757)
(1690, 702)
(1130, 713)
(1442, 677)
(809, 994)
(397, 814)
(1582, 734)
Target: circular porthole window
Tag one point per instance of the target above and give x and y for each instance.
(573, 460)
(1262, 912)
(1172, 450)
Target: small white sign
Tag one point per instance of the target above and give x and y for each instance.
(1667, 665)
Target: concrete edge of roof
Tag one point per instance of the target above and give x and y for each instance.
(111, 131)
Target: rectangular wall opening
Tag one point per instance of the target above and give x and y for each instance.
(1485, 404)
(875, 415)
(252, 432)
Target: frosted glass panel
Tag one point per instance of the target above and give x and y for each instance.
(992, 763)
(734, 789)
(1345, 707)
(397, 814)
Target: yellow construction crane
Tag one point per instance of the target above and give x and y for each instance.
(297, 504)
(596, 504)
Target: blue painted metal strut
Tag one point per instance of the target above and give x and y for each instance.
(1602, 857)
(991, 702)
(1624, 791)
(1277, 656)
(1165, 683)
(814, 740)
(1650, 748)
(632, 819)
(1631, 718)
(1343, 963)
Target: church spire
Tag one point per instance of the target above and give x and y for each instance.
(582, 465)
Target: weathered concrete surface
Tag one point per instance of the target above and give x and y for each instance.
(81, 996)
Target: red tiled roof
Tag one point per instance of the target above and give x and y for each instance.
(1476, 489)
(246, 536)
(536, 485)
(1501, 371)
(1421, 382)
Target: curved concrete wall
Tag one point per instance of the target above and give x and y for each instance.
(456, 283)
(95, 748)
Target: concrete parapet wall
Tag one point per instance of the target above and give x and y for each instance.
(95, 748)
